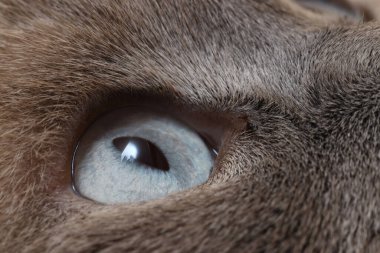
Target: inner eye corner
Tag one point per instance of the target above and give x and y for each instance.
(210, 143)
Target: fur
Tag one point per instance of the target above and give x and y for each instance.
(300, 171)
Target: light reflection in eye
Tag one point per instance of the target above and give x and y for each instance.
(130, 152)
(139, 150)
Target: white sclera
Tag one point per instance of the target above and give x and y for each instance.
(101, 175)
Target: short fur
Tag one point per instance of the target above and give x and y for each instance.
(302, 174)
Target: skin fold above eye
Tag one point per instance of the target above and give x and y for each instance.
(136, 155)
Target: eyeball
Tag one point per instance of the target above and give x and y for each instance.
(131, 155)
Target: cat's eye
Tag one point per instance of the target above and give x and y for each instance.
(132, 155)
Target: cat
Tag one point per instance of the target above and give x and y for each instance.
(298, 172)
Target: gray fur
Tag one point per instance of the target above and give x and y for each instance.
(299, 172)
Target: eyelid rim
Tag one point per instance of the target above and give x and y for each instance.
(72, 172)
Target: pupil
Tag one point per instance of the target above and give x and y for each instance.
(139, 150)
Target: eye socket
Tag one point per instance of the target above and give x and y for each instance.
(136, 154)
(336, 7)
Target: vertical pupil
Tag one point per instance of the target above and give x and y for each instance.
(139, 150)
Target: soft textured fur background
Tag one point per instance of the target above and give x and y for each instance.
(300, 173)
